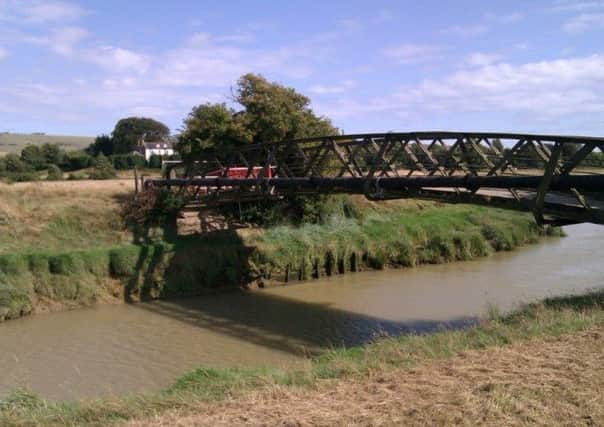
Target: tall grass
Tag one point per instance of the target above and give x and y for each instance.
(429, 234)
(550, 318)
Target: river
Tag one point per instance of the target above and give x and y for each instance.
(118, 349)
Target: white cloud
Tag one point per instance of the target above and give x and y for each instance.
(212, 64)
(545, 90)
(63, 40)
(201, 38)
(413, 53)
(39, 11)
(245, 37)
(342, 87)
(53, 11)
(482, 59)
(3, 53)
(118, 59)
(584, 22)
(466, 30)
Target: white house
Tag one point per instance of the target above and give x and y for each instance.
(159, 148)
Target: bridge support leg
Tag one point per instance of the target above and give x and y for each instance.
(550, 169)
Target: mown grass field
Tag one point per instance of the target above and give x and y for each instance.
(15, 142)
(540, 364)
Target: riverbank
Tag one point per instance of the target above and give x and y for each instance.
(62, 246)
(539, 364)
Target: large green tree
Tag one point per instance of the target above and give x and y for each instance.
(274, 112)
(270, 112)
(128, 133)
(210, 125)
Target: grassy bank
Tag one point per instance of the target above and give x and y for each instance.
(546, 320)
(95, 264)
(392, 235)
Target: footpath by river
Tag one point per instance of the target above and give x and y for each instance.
(135, 348)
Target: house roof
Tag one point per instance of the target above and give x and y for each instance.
(158, 145)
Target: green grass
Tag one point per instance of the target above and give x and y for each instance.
(15, 142)
(550, 318)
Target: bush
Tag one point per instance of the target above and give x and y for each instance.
(127, 161)
(53, 154)
(33, 156)
(76, 160)
(152, 208)
(136, 160)
(74, 176)
(155, 161)
(103, 169)
(15, 164)
(120, 161)
(54, 173)
(22, 176)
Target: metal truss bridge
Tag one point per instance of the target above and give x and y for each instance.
(560, 179)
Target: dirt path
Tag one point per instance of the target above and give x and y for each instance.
(552, 382)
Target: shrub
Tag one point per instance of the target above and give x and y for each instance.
(103, 169)
(22, 176)
(13, 302)
(119, 161)
(76, 176)
(15, 164)
(127, 161)
(33, 156)
(152, 208)
(76, 160)
(155, 161)
(54, 173)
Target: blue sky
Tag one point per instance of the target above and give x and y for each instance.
(69, 67)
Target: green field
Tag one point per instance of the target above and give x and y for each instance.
(14, 142)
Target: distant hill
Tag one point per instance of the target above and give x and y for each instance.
(14, 142)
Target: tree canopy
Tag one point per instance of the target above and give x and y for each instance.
(129, 131)
(270, 112)
(210, 125)
(103, 144)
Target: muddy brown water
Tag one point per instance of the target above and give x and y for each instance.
(136, 348)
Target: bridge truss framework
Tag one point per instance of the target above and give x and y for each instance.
(552, 176)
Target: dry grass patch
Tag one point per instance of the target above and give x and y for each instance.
(556, 381)
(61, 215)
